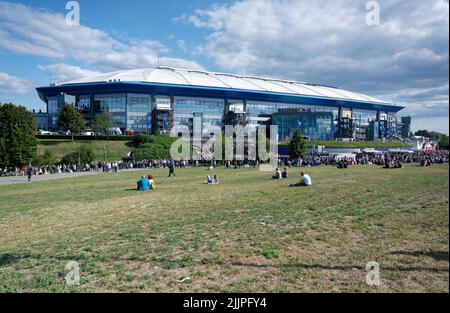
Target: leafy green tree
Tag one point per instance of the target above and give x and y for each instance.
(101, 123)
(48, 158)
(423, 132)
(71, 120)
(153, 147)
(150, 151)
(443, 141)
(297, 146)
(85, 154)
(17, 136)
(140, 139)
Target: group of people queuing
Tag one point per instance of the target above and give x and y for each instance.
(370, 158)
(385, 159)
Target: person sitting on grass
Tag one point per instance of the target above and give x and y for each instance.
(305, 180)
(212, 180)
(151, 182)
(285, 173)
(278, 174)
(143, 184)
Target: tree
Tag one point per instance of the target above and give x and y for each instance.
(17, 136)
(102, 123)
(84, 154)
(423, 132)
(71, 120)
(48, 158)
(154, 147)
(297, 146)
(443, 141)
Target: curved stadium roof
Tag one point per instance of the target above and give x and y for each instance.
(194, 78)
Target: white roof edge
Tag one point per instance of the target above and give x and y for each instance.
(183, 74)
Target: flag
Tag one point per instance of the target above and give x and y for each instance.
(148, 121)
(165, 125)
(382, 129)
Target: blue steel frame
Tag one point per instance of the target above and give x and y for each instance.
(210, 92)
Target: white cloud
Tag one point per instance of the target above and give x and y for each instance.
(12, 85)
(61, 72)
(26, 30)
(329, 42)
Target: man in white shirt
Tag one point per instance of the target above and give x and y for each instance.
(305, 180)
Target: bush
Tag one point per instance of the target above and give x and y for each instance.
(153, 147)
(84, 138)
(85, 155)
(151, 151)
(140, 139)
(270, 253)
(48, 158)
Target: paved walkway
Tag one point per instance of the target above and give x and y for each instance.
(23, 179)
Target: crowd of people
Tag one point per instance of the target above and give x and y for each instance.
(422, 158)
(386, 159)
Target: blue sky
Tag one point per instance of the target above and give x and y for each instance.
(404, 59)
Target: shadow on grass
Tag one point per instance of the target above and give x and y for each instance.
(333, 267)
(437, 255)
(6, 259)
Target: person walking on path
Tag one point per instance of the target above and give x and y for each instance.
(29, 172)
(172, 168)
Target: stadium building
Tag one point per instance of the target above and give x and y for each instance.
(155, 100)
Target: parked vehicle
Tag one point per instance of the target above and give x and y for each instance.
(44, 132)
(114, 131)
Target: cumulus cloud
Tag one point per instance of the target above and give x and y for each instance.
(26, 30)
(61, 72)
(12, 85)
(404, 59)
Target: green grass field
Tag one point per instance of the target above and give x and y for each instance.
(248, 234)
(113, 150)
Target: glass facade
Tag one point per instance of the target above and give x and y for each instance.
(147, 113)
(212, 110)
(260, 112)
(113, 104)
(54, 109)
(84, 104)
(315, 125)
(139, 113)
